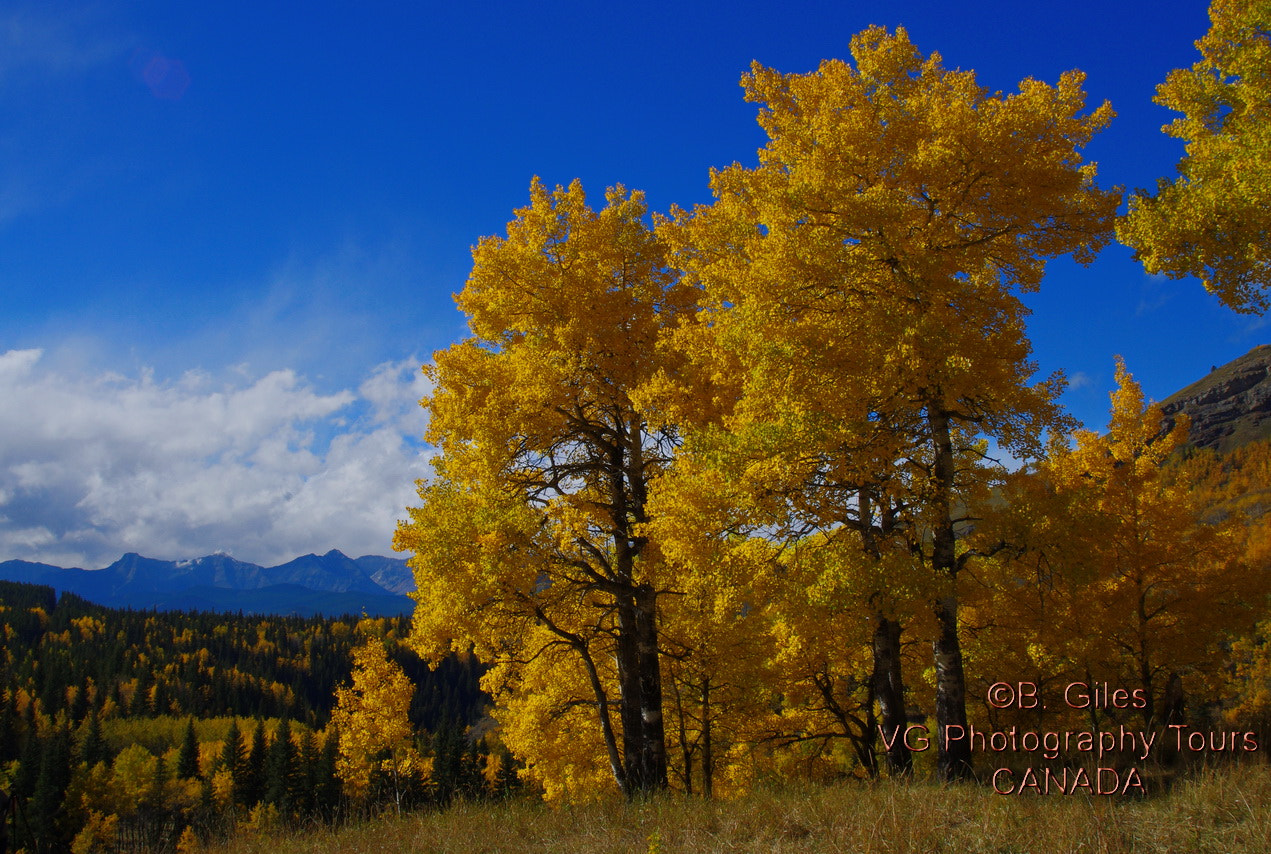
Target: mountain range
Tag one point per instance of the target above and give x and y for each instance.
(331, 584)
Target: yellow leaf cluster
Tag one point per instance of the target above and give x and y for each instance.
(706, 489)
(529, 542)
(372, 718)
(1121, 578)
(1213, 221)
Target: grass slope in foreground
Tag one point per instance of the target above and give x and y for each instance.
(1224, 810)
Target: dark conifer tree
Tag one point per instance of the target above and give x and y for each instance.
(234, 760)
(326, 787)
(479, 758)
(28, 765)
(80, 705)
(10, 734)
(188, 758)
(282, 783)
(254, 774)
(508, 782)
(140, 706)
(93, 748)
(160, 702)
(49, 823)
(307, 758)
(448, 761)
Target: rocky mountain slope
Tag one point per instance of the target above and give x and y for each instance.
(1231, 405)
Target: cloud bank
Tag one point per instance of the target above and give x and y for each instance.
(264, 468)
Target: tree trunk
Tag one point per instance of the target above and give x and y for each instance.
(629, 697)
(640, 678)
(889, 689)
(686, 752)
(954, 762)
(606, 725)
(708, 758)
(653, 750)
(1144, 662)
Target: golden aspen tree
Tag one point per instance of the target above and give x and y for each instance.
(718, 659)
(372, 718)
(786, 475)
(864, 279)
(1233, 487)
(1163, 590)
(1251, 681)
(793, 603)
(1028, 614)
(1213, 221)
(527, 541)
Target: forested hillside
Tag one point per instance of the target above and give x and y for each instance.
(1230, 406)
(116, 724)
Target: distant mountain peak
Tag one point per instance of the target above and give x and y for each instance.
(332, 583)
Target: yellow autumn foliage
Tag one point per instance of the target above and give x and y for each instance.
(1121, 578)
(1213, 221)
(372, 718)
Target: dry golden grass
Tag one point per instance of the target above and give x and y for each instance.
(1217, 811)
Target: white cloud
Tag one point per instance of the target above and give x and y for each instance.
(385, 388)
(265, 468)
(1080, 379)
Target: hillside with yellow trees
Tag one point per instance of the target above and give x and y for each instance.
(123, 729)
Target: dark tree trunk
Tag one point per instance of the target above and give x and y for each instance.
(653, 750)
(640, 679)
(889, 689)
(887, 684)
(708, 757)
(629, 697)
(686, 752)
(1174, 703)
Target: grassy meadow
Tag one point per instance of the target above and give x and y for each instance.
(1225, 810)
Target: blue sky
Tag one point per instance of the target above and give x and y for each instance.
(229, 235)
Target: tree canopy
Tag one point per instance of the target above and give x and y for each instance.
(703, 489)
(1214, 219)
(862, 284)
(528, 543)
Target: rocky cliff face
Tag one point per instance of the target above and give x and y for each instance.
(1231, 405)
